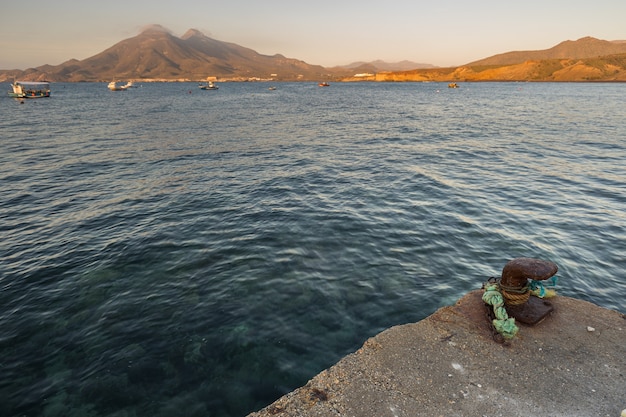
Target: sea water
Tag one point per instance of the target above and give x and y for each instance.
(172, 251)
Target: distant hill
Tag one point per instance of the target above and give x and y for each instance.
(587, 47)
(380, 65)
(156, 54)
(587, 59)
(604, 68)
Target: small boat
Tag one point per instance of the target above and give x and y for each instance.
(272, 88)
(30, 89)
(453, 85)
(114, 87)
(324, 84)
(129, 84)
(209, 85)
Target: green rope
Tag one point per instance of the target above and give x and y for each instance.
(543, 290)
(503, 324)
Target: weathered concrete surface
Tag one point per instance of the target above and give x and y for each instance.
(571, 364)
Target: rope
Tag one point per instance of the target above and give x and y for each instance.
(503, 324)
(513, 299)
(514, 296)
(541, 290)
(497, 295)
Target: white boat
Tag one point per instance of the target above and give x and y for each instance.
(209, 85)
(129, 84)
(30, 89)
(114, 87)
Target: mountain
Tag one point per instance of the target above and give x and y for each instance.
(156, 54)
(379, 65)
(586, 59)
(587, 47)
(604, 68)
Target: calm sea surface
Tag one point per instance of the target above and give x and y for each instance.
(167, 251)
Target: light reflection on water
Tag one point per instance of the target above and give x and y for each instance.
(208, 252)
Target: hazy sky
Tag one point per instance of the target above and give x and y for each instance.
(323, 32)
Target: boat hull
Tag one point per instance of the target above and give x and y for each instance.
(30, 95)
(209, 85)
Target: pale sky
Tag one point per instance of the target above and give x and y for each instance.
(321, 32)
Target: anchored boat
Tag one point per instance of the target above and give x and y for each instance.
(30, 89)
(114, 87)
(209, 85)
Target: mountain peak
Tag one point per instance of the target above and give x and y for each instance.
(155, 28)
(588, 38)
(582, 41)
(380, 65)
(192, 33)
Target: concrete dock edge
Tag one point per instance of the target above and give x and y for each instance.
(573, 363)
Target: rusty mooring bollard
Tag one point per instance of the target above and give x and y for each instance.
(514, 287)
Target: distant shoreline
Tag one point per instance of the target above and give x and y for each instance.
(346, 81)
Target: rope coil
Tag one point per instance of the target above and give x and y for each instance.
(521, 278)
(513, 296)
(498, 295)
(541, 290)
(503, 324)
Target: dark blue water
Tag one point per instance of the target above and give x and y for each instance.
(171, 251)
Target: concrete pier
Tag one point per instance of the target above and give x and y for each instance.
(573, 363)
